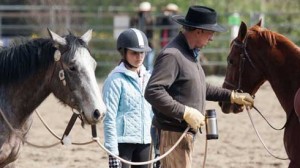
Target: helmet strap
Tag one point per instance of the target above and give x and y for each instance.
(128, 64)
(123, 52)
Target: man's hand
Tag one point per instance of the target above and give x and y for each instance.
(193, 117)
(242, 98)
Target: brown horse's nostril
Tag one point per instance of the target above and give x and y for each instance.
(96, 114)
(220, 104)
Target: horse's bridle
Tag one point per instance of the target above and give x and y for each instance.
(62, 77)
(57, 60)
(244, 56)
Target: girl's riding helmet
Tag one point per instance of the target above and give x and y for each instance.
(133, 39)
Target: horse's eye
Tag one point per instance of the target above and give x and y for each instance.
(72, 68)
(229, 61)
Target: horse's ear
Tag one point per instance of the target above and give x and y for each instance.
(242, 31)
(57, 38)
(259, 23)
(86, 37)
(70, 33)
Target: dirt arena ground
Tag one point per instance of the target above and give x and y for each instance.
(237, 146)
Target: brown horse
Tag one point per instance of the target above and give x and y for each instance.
(258, 55)
(31, 71)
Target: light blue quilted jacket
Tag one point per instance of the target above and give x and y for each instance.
(129, 115)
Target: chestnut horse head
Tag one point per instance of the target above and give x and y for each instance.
(258, 55)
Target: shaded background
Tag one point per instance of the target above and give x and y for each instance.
(30, 19)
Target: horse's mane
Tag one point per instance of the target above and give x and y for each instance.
(19, 62)
(272, 38)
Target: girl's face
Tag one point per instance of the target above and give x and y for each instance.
(135, 58)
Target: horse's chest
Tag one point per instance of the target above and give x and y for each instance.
(297, 103)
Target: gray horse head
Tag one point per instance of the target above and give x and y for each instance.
(74, 81)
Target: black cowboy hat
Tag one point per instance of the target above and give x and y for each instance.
(200, 17)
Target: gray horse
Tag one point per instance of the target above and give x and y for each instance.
(31, 71)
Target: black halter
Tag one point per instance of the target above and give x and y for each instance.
(62, 75)
(244, 55)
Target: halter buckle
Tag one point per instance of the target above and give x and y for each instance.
(61, 76)
(57, 55)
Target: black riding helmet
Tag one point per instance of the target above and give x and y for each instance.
(133, 39)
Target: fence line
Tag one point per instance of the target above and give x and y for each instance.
(32, 21)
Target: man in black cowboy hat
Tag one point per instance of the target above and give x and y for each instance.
(177, 90)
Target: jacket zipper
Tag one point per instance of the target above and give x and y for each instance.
(142, 107)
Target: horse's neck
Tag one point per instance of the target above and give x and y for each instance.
(285, 80)
(285, 98)
(23, 97)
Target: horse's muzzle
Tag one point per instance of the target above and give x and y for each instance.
(230, 108)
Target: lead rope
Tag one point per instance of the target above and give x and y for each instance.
(55, 135)
(12, 129)
(205, 154)
(18, 133)
(96, 139)
(261, 140)
(44, 123)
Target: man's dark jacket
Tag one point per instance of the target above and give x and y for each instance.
(178, 80)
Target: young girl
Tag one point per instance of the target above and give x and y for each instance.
(128, 119)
